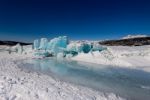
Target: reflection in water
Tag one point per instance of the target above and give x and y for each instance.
(131, 84)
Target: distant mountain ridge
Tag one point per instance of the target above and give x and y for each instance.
(134, 36)
(12, 43)
(134, 41)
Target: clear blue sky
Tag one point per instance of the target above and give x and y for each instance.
(25, 20)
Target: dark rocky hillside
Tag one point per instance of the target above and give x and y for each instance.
(12, 43)
(139, 41)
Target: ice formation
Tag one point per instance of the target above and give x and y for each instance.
(57, 45)
(54, 46)
(62, 45)
(73, 49)
(36, 44)
(86, 47)
(43, 44)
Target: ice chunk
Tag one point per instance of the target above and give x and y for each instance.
(86, 47)
(36, 44)
(43, 44)
(57, 45)
(61, 45)
(79, 47)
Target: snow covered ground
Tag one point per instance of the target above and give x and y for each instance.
(20, 84)
(120, 56)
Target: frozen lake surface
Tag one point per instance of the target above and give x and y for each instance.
(128, 83)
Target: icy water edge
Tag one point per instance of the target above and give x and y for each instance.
(128, 83)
